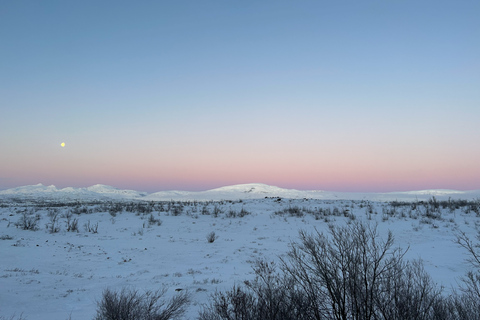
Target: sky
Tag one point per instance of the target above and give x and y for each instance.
(359, 96)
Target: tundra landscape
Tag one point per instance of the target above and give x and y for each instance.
(62, 248)
(239, 160)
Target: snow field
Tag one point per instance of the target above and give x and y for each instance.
(56, 275)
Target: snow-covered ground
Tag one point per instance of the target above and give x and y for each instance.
(57, 275)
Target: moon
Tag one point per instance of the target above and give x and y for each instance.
(62, 144)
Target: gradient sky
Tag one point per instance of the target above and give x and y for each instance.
(192, 95)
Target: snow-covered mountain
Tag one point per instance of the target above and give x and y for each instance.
(235, 192)
(239, 191)
(98, 191)
(259, 190)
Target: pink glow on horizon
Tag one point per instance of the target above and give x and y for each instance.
(369, 106)
(372, 167)
(303, 175)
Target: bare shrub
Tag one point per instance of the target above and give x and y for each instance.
(408, 293)
(348, 274)
(353, 274)
(211, 237)
(72, 224)
(216, 211)
(131, 305)
(292, 211)
(93, 228)
(233, 214)
(28, 221)
(243, 213)
(271, 295)
(152, 221)
(233, 304)
(467, 300)
(52, 226)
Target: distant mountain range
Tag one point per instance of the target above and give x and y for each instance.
(235, 192)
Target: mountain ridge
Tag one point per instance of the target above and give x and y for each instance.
(232, 192)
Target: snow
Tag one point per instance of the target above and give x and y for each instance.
(53, 276)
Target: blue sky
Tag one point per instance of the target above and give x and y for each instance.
(155, 95)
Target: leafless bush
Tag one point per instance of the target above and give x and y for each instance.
(408, 293)
(233, 304)
(131, 305)
(152, 221)
(177, 210)
(72, 224)
(348, 274)
(467, 300)
(353, 274)
(28, 221)
(216, 211)
(270, 296)
(52, 226)
(233, 214)
(93, 228)
(293, 211)
(211, 237)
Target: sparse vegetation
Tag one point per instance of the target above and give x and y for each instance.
(348, 272)
(52, 226)
(129, 304)
(28, 221)
(152, 221)
(92, 228)
(211, 237)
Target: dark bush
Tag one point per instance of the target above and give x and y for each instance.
(28, 221)
(211, 237)
(271, 296)
(349, 274)
(131, 305)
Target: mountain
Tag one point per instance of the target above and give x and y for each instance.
(95, 192)
(259, 190)
(109, 190)
(234, 192)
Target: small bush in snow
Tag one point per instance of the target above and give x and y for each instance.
(28, 221)
(292, 211)
(52, 226)
(132, 305)
(72, 225)
(467, 302)
(233, 214)
(152, 221)
(93, 228)
(211, 237)
(216, 211)
(349, 274)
